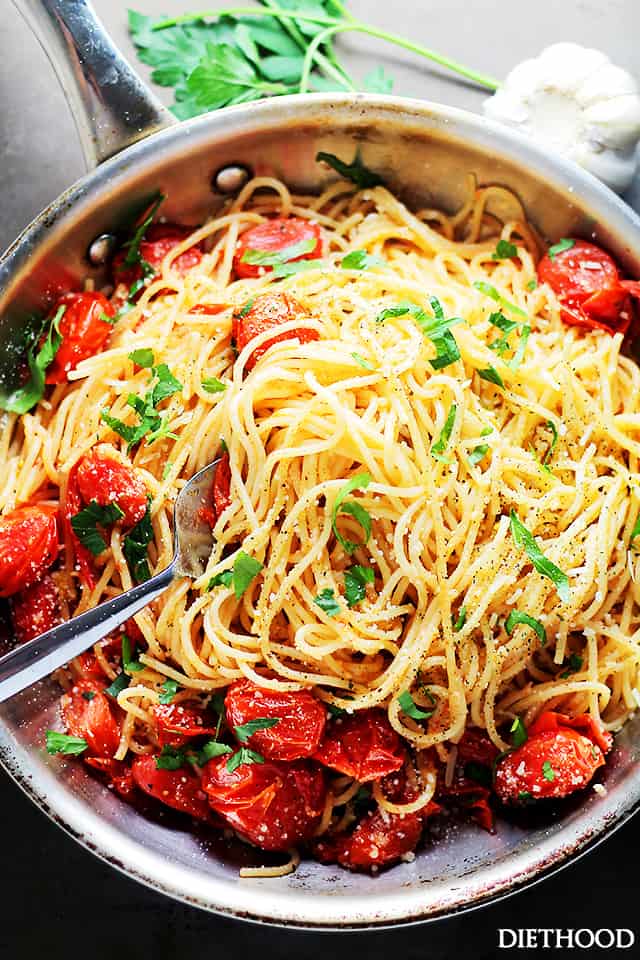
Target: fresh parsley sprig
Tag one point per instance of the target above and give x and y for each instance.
(85, 524)
(151, 425)
(341, 505)
(525, 539)
(39, 360)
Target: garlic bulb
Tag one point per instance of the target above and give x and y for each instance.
(575, 100)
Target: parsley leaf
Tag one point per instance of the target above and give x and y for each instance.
(300, 266)
(504, 250)
(491, 374)
(491, 291)
(525, 539)
(354, 171)
(152, 424)
(408, 706)
(461, 620)
(361, 260)
(554, 430)
(65, 744)
(519, 732)
(25, 397)
(437, 328)
(441, 444)
(210, 750)
(362, 362)
(245, 570)
(224, 77)
(378, 81)
(129, 665)
(273, 258)
(245, 730)
(356, 579)
(85, 522)
(479, 452)
(359, 482)
(243, 755)
(135, 546)
(132, 246)
(120, 683)
(548, 772)
(213, 385)
(574, 666)
(169, 689)
(143, 357)
(532, 284)
(327, 602)
(170, 758)
(560, 247)
(223, 579)
(517, 617)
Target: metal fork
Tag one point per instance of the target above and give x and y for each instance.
(37, 658)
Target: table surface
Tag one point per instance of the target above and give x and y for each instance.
(56, 895)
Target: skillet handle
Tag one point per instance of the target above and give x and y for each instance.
(111, 106)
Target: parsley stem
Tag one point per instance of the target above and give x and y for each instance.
(358, 27)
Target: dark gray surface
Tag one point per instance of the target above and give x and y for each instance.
(60, 902)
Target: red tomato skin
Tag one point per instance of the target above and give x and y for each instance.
(300, 725)
(91, 718)
(274, 235)
(267, 311)
(274, 805)
(379, 840)
(69, 507)
(573, 758)
(160, 240)
(222, 486)
(570, 279)
(362, 745)
(118, 774)
(584, 723)
(209, 309)
(107, 480)
(179, 789)
(83, 332)
(28, 547)
(35, 610)
(176, 723)
(475, 746)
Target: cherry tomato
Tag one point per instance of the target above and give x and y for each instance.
(209, 309)
(179, 789)
(119, 775)
(222, 486)
(362, 745)
(475, 746)
(584, 723)
(28, 547)
(586, 280)
(273, 236)
(267, 311)
(84, 332)
(301, 719)
(176, 723)
(102, 477)
(87, 667)
(35, 610)
(471, 799)
(160, 240)
(552, 763)
(86, 711)
(274, 805)
(72, 504)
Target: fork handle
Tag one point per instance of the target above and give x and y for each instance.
(37, 658)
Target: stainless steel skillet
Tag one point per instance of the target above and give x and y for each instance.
(425, 151)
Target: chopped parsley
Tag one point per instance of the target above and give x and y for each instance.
(274, 258)
(129, 664)
(132, 246)
(120, 683)
(565, 244)
(213, 385)
(25, 397)
(65, 744)
(246, 730)
(327, 602)
(548, 772)
(516, 617)
(518, 732)
(169, 689)
(245, 570)
(574, 666)
(170, 758)
(359, 482)
(437, 328)
(361, 260)
(362, 362)
(504, 250)
(151, 424)
(135, 546)
(88, 695)
(355, 171)
(525, 539)
(245, 309)
(356, 579)
(143, 357)
(532, 284)
(478, 453)
(300, 266)
(441, 444)
(223, 579)
(459, 623)
(524, 796)
(491, 374)
(408, 706)
(243, 755)
(490, 291)
(86, 522)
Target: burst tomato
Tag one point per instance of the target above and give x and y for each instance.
(301, 719)
(274, 236)
(587, 282)
(104, 477)
(222, 486)
(28, 547)
(84, 332)
(274, 805)
(70, 506)
(555, 761)
(584, 723)
(118, 774)
(179, 789)
(35, 610)
(160, 240)
(362, 745)
(176, 723)
(268, 311)
(86, 711)
(476, 747)
(209, 309)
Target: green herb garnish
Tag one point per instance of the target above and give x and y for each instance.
(223, 579)
(359, 482)
(574, 666)
(85, 523)
(355, 171)
(243, 755)
(247, 729)
(25, 397)
(518, 732)
(408, 706)
(356, 579)
(491, 374)
(273, 258)
(548, 772)
(327, 602)
(459, 623)
(361, 260)
(245, 570)
(516, 617)
(560, 247)
(523, 538)
(135, 547)
(169, 689)
(441, 444)
(504, 250)
(213, 385)
(65, 744)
